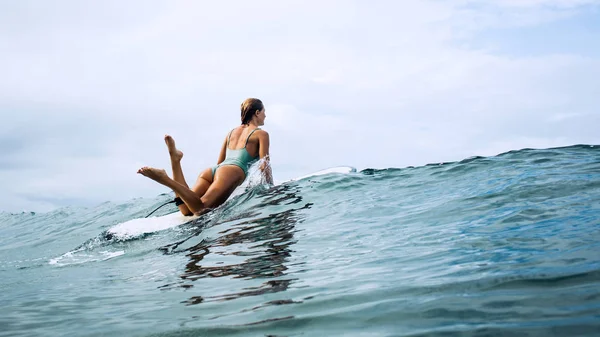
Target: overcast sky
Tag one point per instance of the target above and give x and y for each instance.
(89, 88)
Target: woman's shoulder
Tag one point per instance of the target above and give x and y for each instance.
(261, 133)
(239, 130)
(257, 133)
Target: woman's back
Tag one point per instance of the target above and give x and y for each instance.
(244, 136)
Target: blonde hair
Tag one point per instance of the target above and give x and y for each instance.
(249, 107)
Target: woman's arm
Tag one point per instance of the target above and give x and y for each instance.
(263, 153)
(223, 151)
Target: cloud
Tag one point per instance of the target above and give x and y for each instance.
(89, 90)
(560, 117)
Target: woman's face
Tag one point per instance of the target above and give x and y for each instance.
(261, 117)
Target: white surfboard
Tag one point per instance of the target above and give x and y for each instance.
(137, 227)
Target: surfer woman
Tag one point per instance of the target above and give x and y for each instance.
(242, 146)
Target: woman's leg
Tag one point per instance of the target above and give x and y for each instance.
(208, 192)
(189, 197)
(176, 156)
(202, 183)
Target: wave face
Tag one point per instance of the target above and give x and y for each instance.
(506, 245)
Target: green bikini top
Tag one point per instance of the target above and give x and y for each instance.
(239, 157)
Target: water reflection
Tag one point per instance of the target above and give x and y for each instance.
(264, 234)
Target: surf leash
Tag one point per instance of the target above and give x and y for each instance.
(157, 208)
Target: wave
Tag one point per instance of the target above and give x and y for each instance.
(505, 244)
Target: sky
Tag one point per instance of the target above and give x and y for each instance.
(88, 89)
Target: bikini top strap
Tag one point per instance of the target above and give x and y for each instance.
(229, 137)
(249, 136)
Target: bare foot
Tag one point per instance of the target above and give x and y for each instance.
(158, 175)
(175, 154)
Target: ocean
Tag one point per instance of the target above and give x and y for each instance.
(488, 246)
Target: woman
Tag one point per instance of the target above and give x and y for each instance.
(242, 147)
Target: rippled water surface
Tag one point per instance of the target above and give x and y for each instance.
(506, 245)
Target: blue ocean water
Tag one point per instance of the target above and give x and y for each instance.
(497, 246)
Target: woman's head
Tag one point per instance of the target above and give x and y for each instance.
(252, 107)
